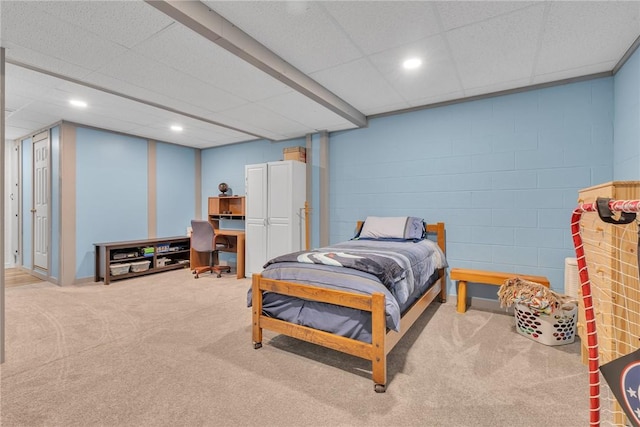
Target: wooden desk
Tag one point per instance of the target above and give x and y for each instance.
(236, 237)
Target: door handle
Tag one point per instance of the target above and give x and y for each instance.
(33, 211)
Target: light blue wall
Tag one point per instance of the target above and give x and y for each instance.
(226, 164)
(176, 197)
(111, 192)
(626, 162)
(27, 202)
(502, 172)
(54, 269)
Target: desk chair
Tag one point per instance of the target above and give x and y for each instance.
(204, 239)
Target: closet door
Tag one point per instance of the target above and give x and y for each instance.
(279, 209)
(41, 193)
(255, 218)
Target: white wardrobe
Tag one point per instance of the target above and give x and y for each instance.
(274, 218)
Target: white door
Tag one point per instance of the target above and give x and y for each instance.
(279, 209)
(41, 202)
(255, 218)
(13, 250)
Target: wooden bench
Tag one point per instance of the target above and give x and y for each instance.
(464, 275)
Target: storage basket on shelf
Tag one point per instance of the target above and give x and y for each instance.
(118, 269)
(541, 314)
(139, 266)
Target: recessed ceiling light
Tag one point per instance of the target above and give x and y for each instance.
(78, 103)
(176, 128)
(412, 63)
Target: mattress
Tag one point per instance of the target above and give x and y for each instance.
(415, 266)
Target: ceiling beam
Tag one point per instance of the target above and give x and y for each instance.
(133, 98)
(214, 27)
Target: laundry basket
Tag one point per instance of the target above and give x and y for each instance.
(557, 328)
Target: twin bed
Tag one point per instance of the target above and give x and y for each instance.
(358, 297)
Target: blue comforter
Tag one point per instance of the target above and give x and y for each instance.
(386, 269)
(417, 264)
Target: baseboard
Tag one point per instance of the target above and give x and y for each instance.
(85, 280)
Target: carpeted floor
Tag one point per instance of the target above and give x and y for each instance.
(169, 350)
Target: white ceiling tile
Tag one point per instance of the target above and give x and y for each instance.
(124, 22)
(104, 100)
(303, 110)
(27, 84)
(455, 14)
(135, 91)
(575, 31)
(34, 115)
(303, 35)
(498, 49)
(14, 102)
(392, 107)
(264, 121)
(361, 85)
(373, 26)
(435, 99)
(192, 135)
(497, 87)
(437, 75)
(33, 29)
(190, 53)
(574, 72)
(171, 83)
(16, 53)
(101, 105)
(18, 130)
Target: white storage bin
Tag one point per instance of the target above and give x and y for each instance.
(557, 328)
(139, 266)
(118, 269)
(161, 262)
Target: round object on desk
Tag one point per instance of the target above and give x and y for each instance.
(223, 187)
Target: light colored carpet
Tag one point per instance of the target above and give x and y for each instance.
(169, 350)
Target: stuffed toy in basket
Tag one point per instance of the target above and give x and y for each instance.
(542, 315)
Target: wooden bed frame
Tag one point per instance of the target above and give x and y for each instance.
(382, 340)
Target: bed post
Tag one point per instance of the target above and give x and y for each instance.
(442, 242)
(256, 305)
(378, 350)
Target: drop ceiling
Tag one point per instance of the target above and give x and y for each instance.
(233, 71)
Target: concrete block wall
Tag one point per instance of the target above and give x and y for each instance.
(626, 161)
(503, 173)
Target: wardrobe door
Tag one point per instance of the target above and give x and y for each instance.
(255, 218)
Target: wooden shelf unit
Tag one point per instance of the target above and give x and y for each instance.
(176, 249)
(226, 207)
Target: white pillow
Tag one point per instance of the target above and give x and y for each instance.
(399, 227)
